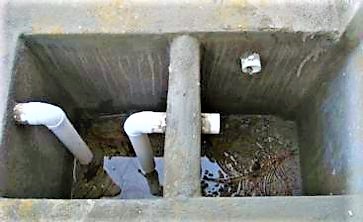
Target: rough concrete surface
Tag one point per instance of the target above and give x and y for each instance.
(112, 56)
(183, 117)
(115, 16)
(193, 209)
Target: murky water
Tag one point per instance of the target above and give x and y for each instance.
(257, 156)
(106, 138)
(254, 155)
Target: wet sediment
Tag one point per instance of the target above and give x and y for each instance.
(257, 155)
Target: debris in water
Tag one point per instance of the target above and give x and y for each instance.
(105, 137)
(257, 155)
(253, 156)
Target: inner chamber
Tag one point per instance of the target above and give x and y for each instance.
(282, 130)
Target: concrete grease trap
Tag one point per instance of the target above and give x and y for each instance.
(247, 112)
(263, 146)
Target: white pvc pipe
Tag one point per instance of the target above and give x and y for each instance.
(54, 118)
(145, 122)
(211, 123)
(138, 125)
(144, 153)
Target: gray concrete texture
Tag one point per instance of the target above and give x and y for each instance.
(321, 208)
(113, 56)
(183, 117)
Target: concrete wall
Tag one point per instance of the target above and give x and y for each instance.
(324, 139)
(330, 132)
(117, 73)
(292, 65)
(36, 163)
(92, 74)
(88, 53)
(107, 73)
(113, 73)
(331, 124)
(265, 209)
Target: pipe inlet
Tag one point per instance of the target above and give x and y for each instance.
(55, 119)
(138, 125)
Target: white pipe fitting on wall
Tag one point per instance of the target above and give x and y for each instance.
(251, 64)
(54, 118)
(138, 125)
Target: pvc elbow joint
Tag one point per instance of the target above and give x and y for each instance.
(37, 113)
(145, 122)
(53, 117)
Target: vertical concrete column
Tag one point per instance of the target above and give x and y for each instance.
(183, 128)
